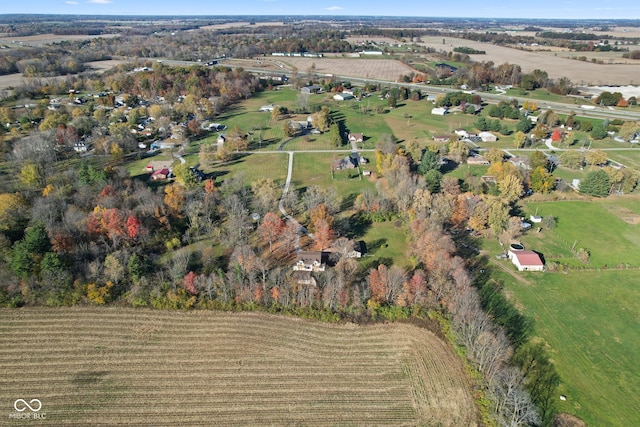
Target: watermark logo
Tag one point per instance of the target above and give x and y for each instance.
(21, 405)
(34, 406)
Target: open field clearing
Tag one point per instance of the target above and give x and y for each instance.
(380, 69)
(44, 39)
(114, 366)
(611, 240)
(577, 71)
(590, 322)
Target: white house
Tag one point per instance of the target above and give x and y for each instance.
(462, 133)
(487, 137)
(439, 111)
(526, 260)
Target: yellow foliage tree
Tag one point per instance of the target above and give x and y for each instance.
(99, 294)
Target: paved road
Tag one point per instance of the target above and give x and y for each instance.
(559, 107)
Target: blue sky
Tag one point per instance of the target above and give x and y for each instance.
(565, 9)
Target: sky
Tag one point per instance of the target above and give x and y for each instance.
(555, 9)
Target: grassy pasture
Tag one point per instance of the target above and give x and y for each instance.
(610, 240)
(114, 366)
(590, 321)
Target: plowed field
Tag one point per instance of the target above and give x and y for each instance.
(114, 366)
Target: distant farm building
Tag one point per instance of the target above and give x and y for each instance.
(311, 89)
(439, 111)
(344, 96)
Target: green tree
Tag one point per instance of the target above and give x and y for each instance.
(596, 184)
(599, 131)
(428, 162)
(524, 125)
(334, 135)
(433, 179)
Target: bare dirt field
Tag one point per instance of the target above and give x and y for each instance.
(585, 73)
(43, 39)
(115, 366)
(383, 69)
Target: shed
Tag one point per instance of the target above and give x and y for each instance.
(439, 111)
(487, 137)
(526, 260)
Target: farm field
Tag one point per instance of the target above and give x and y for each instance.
(378, 69)
(556, 66)
(114, 366)
(590, 322)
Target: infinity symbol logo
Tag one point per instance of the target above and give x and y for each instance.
(27, 405)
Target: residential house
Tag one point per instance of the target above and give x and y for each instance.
(161, 174)
(310, 261)
(521, 162)
(80, 147)
(356, 137)
(441, 138)
(461, 133)
(477, 160)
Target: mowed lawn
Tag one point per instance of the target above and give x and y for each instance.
(594, 225)
(311, 169)
(116, 366)
(591, 322)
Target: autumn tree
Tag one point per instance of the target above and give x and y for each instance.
(386, 284)
(519, 139)
(541, 180)
(271, 229)
(494, 155)
(174, 199)
(596, 157)
(320, 119)
(265, 194)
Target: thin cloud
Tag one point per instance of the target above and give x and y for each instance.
(334, 8)
(99, 1)
(71, 2)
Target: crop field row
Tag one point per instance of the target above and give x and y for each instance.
(113, 366)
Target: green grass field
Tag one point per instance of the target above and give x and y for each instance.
(315, 169)
(596, 226)
(386, 244)
(590, 321)
(630, 158)
(254, 166)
